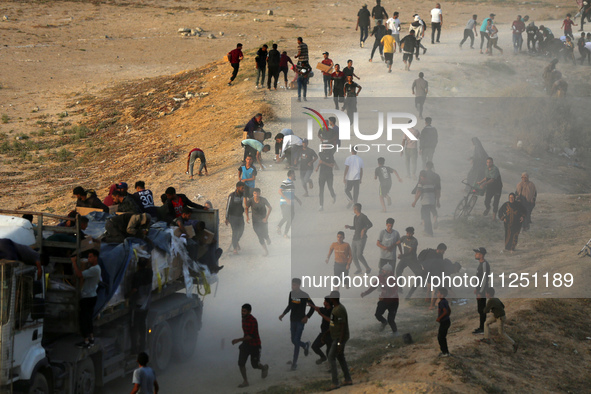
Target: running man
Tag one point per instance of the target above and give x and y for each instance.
(261, 209)
(250, 346)
(363, 23)
(383, 173)
(297, 302)
(389, 45)
(420, 88)
(287, 193)
(470, 31)
(307, 159)
(408, 44)
(234, 57)
(342, 256)
(388, 298)
(353, 176)
(235, 214)
(325, 167)
(361, 224)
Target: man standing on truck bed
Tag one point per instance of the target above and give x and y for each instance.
(90, 279)
(140, 298)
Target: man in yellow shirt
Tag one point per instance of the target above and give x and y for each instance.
(389, 48)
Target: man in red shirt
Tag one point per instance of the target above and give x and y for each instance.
(325, 75)
(518, 29)
(250, 346)
(284, 60)
(234, 57)
(195, 154)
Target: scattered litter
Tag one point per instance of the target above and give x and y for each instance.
(555, 344)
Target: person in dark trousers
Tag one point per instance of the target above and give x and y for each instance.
(286, 203)
(261, 209)
(339, 332)
(497, 308)
(408, 256)
(436, 22)
(307, 159)
(378, 32)
(250, 346)
(363, 24)
(88, 199)
(323, 339)
(427, 194)
(273, 63)
(297, 302)
(337, 85)
(326, 77)
(140, 299)
(494, 187)
(91, 277)
(379, 13)
(283, 66)
(325, 168)
(261, 65)
(428, 142)
(443, 312)
(125, 203)
(420, 88)
(482, 272)
(235, 214)
(484, 33)
(361, 224)
(388, 298)
(144, 379)
(470, 31)
(234, 57)
(176, 202)
(195, 154)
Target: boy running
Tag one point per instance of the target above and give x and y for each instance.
(383, 173)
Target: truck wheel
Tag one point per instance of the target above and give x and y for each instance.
(85, 377)
(161, 346)
(39, 384)
(185, 338)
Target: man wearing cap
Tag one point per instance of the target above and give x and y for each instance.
(526, 194)
(88, 199)
(363, 23)
(122, 187)
(483, 33)
(339, 332)
(388, 297)
(297, 302)
(388, 240)
(307, 159)
(326, 76)
(482, 272)
(235, 214)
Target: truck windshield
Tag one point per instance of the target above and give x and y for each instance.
(5, 281)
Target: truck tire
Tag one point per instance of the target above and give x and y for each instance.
(39, 384)
(85, 377)
(161, 347)
(185, 338)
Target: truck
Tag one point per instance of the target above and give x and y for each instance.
(39, 322)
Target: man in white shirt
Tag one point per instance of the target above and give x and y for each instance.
(353, 176)
(291, 149)
(394, 24)
(436, 22)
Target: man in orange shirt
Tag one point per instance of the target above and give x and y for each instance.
(342, 255)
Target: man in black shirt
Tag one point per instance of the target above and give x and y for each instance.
(176, 202)
(349, 70)
(324, 338)
(144, 199)
(482, 272)
(408, 44)
(140, 298)
(235, 214)
(261, 65)
(88, 199)
(363, 23)
(307, 159)
(273, 63)
(296, 306)
(337, 83)
(428, 142)
(378, 12)
(378, 32)
(361, 224)
(255, 124)
(325, 166)
(351, 90)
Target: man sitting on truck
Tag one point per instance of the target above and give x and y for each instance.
(88, 199)
(90, 280)
(176, 202)
(125, 203)
(119, 227)
(10, 250)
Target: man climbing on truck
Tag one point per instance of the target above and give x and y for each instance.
(90, 279)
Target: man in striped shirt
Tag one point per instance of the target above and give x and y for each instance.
(302, 55)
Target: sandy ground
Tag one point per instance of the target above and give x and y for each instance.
(58, 53)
